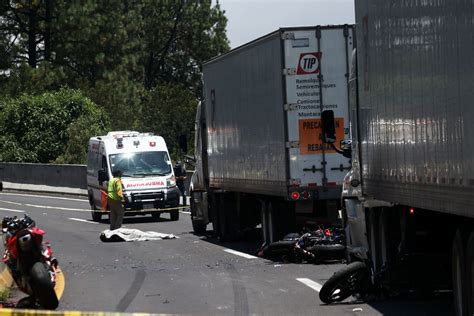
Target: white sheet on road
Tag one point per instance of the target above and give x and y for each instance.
(127, 234)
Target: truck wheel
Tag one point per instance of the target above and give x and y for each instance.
(459, 275)
(470, 274)
(174, 216)
(345, 282)
(198, 227)
(156, 215)
(43, 288)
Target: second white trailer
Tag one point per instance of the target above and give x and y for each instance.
(258, 136)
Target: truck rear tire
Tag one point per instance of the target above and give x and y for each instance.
(198, 227)
(470, 274)
(459, 275)
(224, 217)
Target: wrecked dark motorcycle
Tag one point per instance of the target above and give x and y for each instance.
(30, 262)
(320, 245)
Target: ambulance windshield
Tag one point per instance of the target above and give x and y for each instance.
(141, 164)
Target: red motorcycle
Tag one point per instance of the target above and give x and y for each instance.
(30, 262)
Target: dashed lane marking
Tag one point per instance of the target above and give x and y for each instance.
(82, 220)
(238, 253)
(10, 210)
(308, 282)
(10, 202)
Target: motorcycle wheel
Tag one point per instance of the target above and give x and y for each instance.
(279, 248)
(344, 283)
(325, 252)
(43, 288)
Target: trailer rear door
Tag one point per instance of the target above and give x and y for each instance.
(314, 56)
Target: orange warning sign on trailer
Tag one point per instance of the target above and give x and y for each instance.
(311, 138)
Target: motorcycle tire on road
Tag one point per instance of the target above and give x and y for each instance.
(344, 283)
(279, 248)
(43, 288)
(324, 252)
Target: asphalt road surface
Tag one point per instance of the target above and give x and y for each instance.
(189, 275)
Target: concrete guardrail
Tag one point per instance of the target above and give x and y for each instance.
(52, 178)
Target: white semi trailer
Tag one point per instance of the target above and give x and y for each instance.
(259, 153)
(408, 199)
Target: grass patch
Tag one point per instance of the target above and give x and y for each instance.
(4, 294)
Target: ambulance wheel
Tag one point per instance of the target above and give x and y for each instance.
(96, 216)
(174, 216)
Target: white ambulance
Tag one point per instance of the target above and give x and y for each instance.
(149, 184)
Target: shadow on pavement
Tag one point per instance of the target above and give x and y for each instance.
(405, 305)
(249, 241)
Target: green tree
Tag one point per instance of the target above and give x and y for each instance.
(49, 127)
(117, 53)
(98, 44)
(178, 37)
(170, 112)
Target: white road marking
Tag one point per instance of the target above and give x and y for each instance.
(82, 220)
(58, 208)
(46, 197)
(314, 285)
(238, 253)
(9, 202)
(10, 210)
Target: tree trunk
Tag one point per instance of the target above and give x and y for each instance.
(47, 34)
(32, 58)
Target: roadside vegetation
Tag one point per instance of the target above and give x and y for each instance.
(4, 294)
(71, 70)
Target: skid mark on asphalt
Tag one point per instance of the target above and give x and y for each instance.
(132, 292)
(308, 282)
(241, 254)
(241, 303)
(82, 220)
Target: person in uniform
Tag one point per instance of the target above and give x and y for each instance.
(115, 200)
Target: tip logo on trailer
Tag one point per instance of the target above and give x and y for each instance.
(309, 63)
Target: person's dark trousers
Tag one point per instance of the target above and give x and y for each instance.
(182, 189)
(116, 213)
